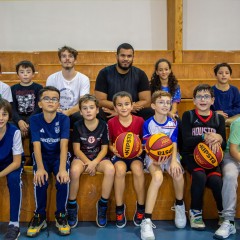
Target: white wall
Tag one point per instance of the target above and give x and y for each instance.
(211, 24)
(103, 24)
(83, 24)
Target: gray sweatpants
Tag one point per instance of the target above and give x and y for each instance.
(231, 170)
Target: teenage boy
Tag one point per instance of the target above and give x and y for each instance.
(50, 134)
(198, 125)
(161, 123)
(25, 96)
(90, 146)
(71, 84)
(126, 122)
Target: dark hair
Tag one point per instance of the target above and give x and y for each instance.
(86, 98)
(218, 66)
(25, 64)
(48, 88)
(121, 95)
(69, 49)
(124, 46)
(159, 94)
(155, 82)
(6, 107)
(203, 87)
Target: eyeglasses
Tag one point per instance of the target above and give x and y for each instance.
(48, 99)
(162, 103)
(203, 97)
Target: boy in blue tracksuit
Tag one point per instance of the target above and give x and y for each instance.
(50, 134)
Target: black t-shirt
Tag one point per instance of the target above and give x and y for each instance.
(110, 81)
(90, 141)
(25, 100)
(192, 130)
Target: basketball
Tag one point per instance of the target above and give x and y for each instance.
(128, 145)
(205, 158)
(159, 145)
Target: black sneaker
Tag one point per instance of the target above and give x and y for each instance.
(121, 220)
(37, 223)
(72, 216)
(62, 224)
(101, 218)
(138, 217)
(12, 233)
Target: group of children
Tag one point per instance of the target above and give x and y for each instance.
(94, 150)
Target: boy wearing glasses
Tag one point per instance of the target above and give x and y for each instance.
(50, 134)
(162, 123)
(198, 125)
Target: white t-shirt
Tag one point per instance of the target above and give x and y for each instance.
(5, 92)
(70, 91)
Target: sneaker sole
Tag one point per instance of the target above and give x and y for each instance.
(224, 237)
(101, 226)
(148, 238)
(198, 228)
(35, 234)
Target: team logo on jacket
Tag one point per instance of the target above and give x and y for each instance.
(91, 139)
(57, 129)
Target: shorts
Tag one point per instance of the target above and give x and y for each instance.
(164, 166)
(128, 162)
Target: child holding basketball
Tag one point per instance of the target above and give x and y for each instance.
(231, 170)
(10, 166)
(227, 97)
(90, 146)
(198, 125)
(162, 123)
(126, 122)
(50, 134)
(164, 79)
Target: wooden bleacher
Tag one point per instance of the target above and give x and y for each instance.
(197, 67)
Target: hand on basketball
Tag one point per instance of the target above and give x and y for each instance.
(175, 169)
(212, 138)
(91, 167)
(115, 151)
(40, 177)
(62, 176)
(214, 147)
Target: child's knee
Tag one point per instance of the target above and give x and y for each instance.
(157, 178)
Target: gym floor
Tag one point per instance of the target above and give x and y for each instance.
(88, 230)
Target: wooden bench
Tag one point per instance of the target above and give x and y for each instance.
(90, 192)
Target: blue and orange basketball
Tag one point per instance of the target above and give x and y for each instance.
(159, 145)
(205, 158)
(128, 145)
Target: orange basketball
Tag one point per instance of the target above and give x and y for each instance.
(205, 158)
(159, 145)
(128, 145)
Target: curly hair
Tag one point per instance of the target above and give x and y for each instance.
(155, 82)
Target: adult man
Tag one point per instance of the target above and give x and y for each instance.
(124, 77)
(71, 84)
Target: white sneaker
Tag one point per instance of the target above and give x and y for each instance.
(147, 229)
(180, 216)
(196, 221)
(225, 230)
